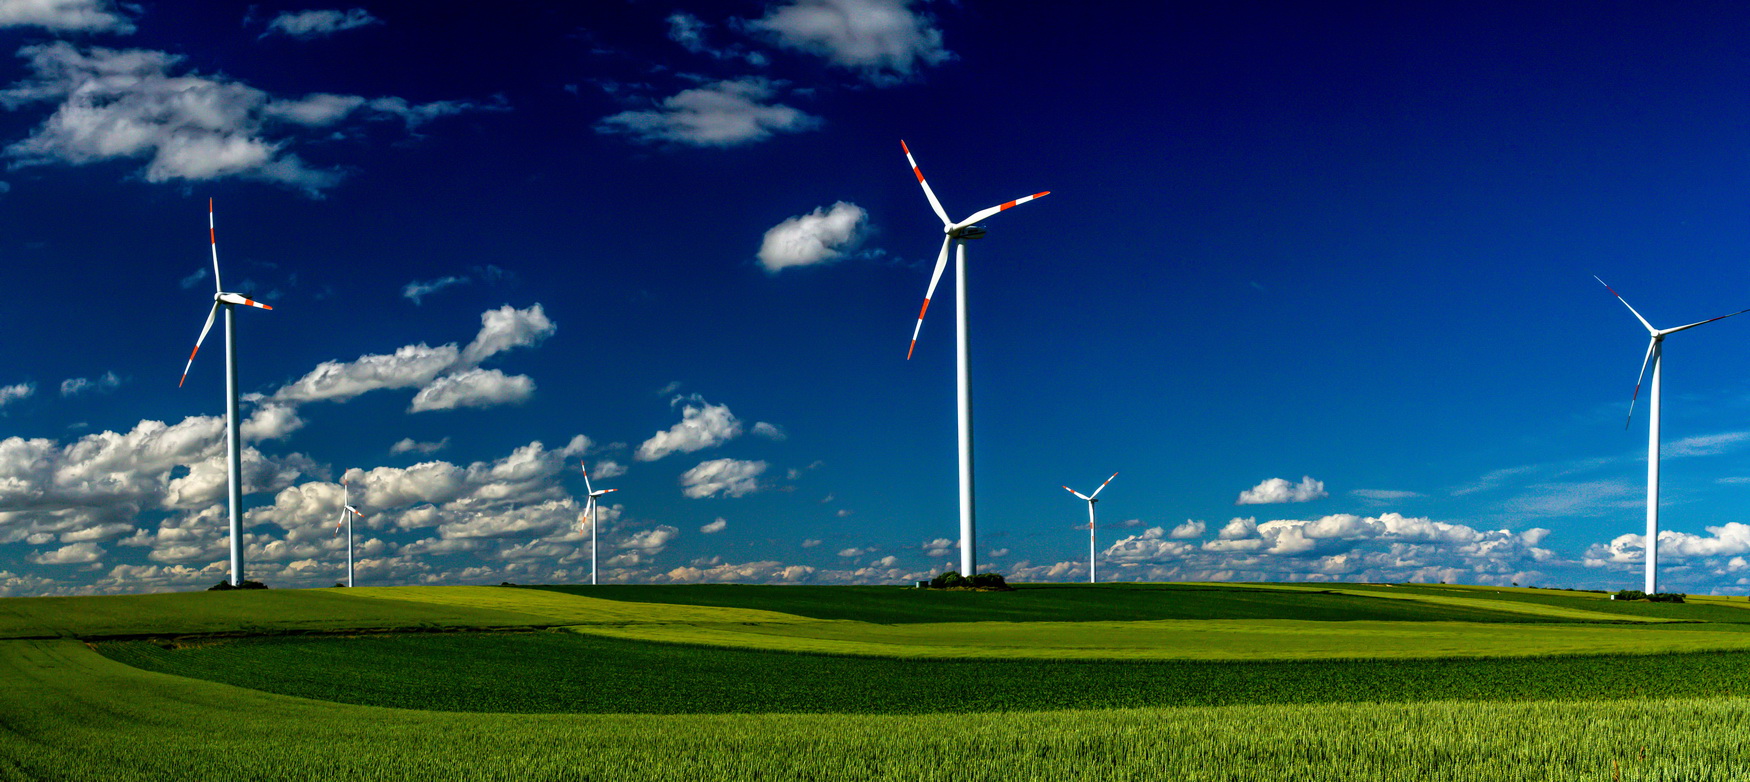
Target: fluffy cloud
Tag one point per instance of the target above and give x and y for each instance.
(770, 432)
(447, 376)
(1190, 529)
(719, 114)
(418, 290)
(410, 445)
(817, 237)
(716, 526)
(505, 328)
(940, 547)
(883, 40)
(1386, 548)
(73, 16)
(473, 388)
(75, 386)
(411, 366)
(132, 105)
(728, 477)
(703, 425)
(306, 25)
(1278, 490)
(15, 392)
(72, 554)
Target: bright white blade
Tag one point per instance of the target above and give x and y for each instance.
(1076, 493)
(213, 235)
(1625, 303)
(980, 215)
(232, 298)
(1698, 323)
(601, 492)
(588, 514)
(1631, 400)
(197, 343)
(342, 521)
(354, 511)
(586, 486)
(928, 193)
(935, 277)
(1102, 487)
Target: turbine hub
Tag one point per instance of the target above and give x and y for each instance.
(968, 232)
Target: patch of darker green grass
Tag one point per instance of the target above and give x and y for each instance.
(560, 672)
(1048, 603)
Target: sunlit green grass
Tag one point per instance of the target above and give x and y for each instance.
(70, 714)
(552, 671)
(1107, 602)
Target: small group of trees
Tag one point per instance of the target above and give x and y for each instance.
(1656, 597)
(953, 580)
(223, 586)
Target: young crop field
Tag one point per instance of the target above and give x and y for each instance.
(71, 714)
(1104, 602)
(1145, 682)
(554, 671)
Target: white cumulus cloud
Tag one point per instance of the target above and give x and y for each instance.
(883, 40)
(72, 16)
(716, 526)
(1278, 490)
(473, 388)
(728, 477)
(306, 25)
(702, 425)
(822, 235)
(137, 104)
(720, 114)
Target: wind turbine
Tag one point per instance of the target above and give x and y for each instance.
(1091, 502)
(347, 513)
(1655, 350)
(957, 235)
(591, 512)
(233, 440)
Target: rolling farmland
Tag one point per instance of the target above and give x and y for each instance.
(505, 683)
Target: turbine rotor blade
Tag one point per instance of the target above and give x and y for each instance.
(1700, 322)
(232, 298)
(1625, 303)
(928, 193)
(1644, 362)
(197, 343)
(600, 492)
(586, 486)
(213, 236)
(935, 277)
(983, 213)
(1076, 493)
(588, 511)
(1102, 487)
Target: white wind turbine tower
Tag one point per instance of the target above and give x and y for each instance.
(233, 441)
(591, 512)
(958, 234)
(1091, 502)
(347, 514)
(1655, 349)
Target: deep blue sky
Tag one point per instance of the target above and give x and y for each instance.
(1349, 249)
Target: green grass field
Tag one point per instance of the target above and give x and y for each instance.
(1224, 682)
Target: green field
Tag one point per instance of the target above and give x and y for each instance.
(1146, 682)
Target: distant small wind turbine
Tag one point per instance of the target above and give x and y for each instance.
(1091, 502)
(1655, 350)
(347, 513)
(591, 512)
(958, 234)
(233, 440)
